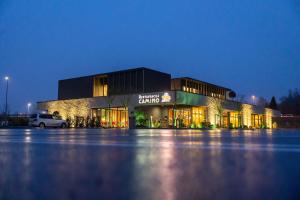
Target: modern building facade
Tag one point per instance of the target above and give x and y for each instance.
(144, 97)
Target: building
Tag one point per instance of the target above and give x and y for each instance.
(144, 97)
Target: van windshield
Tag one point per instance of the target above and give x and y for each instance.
(34, 116)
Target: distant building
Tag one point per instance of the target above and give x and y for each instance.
(147, 98)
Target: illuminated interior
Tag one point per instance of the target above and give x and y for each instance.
(256, 120)
(235, 119)
(198, 116)
(187, 117)
(112, 117)
(180, 117)
(100, 86)
(229, 120)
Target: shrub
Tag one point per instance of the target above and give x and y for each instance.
(193, 125)
(140, 119)
(18, 121)
(156, 124)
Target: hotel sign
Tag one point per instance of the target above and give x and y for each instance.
(155, 98)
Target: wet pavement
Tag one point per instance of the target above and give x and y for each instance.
(149, 164)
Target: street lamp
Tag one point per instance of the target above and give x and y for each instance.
(28, 108)
(253, 99)
(6, 78)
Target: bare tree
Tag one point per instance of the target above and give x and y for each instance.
(238, 105)
(217, 105)
(125, 101)
(261, 101)
(109, 101)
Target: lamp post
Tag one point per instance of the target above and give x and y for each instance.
(253, 99)
(28, 108)
(6, 78)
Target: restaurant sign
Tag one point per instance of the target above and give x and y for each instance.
(155, 98)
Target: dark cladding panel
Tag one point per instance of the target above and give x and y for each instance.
(132, 81)
(75, 88)
(138, 80)
(140, 84)
(155, 81)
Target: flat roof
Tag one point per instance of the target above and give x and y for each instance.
(118, 71)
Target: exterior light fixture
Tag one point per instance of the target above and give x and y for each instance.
(253, 99)
(28, 107)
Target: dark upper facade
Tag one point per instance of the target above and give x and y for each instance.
(138, 80)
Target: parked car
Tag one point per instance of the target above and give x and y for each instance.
(47, 120)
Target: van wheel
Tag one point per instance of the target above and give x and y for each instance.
(63, 125)
(42, 125)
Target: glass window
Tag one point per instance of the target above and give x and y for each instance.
(34, 116)
(46, 116)
(113, 117)
(198, 116)
(100, 86)
(180, 118)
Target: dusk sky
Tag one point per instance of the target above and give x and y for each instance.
(251, 46)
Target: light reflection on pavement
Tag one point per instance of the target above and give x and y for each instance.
(149, 164)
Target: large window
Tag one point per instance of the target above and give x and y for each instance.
(112, 117)
(180, 118)
(231, 120)
(100, 86)
(198, 116)
(235, 119)
(256, 120)
(187, 117)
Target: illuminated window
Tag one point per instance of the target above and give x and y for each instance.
(180, 118)
(112, 117)
(234, 119)
(100, 86)
(256, 120)
(198, 116)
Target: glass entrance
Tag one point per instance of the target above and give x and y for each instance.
(191, 117)
(111, 117)
(180, 118)
(256, 120)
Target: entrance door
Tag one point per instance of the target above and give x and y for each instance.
(181, 118)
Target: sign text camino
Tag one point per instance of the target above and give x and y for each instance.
(154, 98)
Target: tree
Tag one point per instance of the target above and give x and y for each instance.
(273, 104)
(125, 101)
(109, 101)
(238, 103)
(290, 104)
(217, 105)
(140, 118)
(56, 113)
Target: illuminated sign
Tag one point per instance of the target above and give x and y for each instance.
(154, 98)
(166, 98)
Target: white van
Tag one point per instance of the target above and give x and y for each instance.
(47, 120)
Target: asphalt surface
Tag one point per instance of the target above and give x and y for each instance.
(149, 164)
